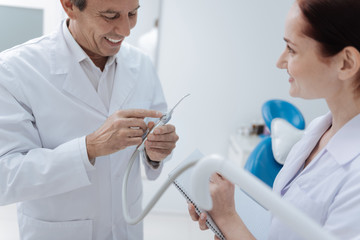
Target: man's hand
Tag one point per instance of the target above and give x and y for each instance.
(161, 142)
(122, 129)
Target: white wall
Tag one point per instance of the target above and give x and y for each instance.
(52, 11)
(147, 14)
(224, 54)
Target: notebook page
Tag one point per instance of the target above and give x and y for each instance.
(183, 183)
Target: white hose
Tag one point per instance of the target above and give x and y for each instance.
(134, 220)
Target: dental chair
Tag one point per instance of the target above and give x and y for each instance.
(277, 108)
(261, 162)
(286, 124)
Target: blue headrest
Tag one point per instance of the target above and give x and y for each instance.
(276, 108)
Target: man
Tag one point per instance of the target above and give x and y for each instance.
(73, 106)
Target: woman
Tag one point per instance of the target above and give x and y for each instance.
(321, 175)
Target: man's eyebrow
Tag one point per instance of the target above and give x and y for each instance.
(113, 11)
(136, 8)
(109, 11)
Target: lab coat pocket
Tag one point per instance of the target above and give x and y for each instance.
(33, 229)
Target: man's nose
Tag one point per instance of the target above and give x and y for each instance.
(123, 26)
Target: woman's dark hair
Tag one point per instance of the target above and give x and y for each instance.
(335, 24)
(80, 4)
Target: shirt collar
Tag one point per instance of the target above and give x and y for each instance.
(344, 145)
(78, 53)
(74, 47)
(111, 60)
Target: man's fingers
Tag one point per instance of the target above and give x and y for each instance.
(165, 147)
(168, 128)
(169, 137)
(133, 123)
(139, 113)
(133, 141)
(151, 125)
(135, 133)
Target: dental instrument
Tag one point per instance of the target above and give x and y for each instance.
(162, 121)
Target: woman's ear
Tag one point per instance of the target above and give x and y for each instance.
(68, 7)
(350, 63)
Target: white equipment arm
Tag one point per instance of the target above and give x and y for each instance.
(260, 192)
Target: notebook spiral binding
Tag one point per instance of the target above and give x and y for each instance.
(209, 222)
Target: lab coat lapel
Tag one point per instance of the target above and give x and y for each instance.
(124, 84)
(301, 151)
(78, 85)
(291, 168)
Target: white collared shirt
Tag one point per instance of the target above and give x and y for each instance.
(328, 189)
(101, 80)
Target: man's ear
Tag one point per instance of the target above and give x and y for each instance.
(350, 63)
(68, 8)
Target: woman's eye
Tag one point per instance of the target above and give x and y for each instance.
(290, 50)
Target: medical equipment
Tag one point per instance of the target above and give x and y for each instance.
(259, 191)
(204, 167)
(283, 137)
(162, 121)
(297, 220)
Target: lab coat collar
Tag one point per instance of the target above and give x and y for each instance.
(66, 61)
(65, 46)
(77, 52)
(77, 83)
(60, 52)
(347, 137)
(300, 152)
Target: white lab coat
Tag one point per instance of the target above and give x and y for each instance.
(48, 106)
(328, 189)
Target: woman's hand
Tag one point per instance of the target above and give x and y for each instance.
(223, 212)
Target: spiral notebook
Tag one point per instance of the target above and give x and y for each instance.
(183, 183)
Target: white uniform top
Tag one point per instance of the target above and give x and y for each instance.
(101, 80)
(47, 107)
(328, 189)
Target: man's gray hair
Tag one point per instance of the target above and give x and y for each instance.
(80, 4)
